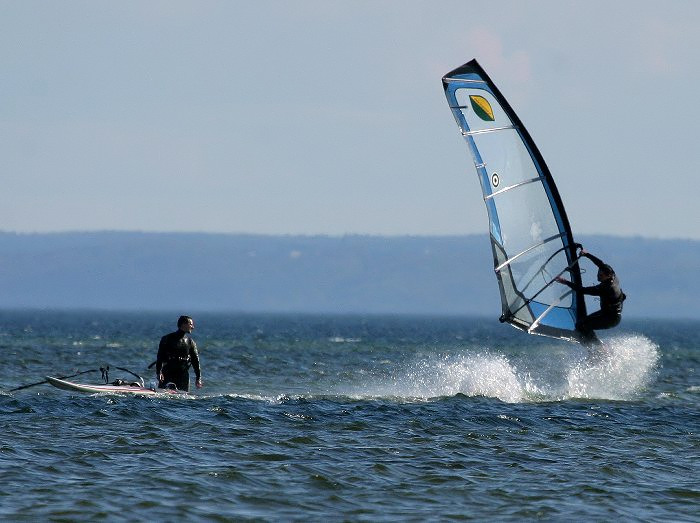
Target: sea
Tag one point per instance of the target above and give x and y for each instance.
(350, 418)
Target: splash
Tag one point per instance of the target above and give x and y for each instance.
(626, 365)
(488, 375)
(620, 373)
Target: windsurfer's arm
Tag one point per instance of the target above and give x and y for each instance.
(596, 290)
(598, 262)
(566, 282)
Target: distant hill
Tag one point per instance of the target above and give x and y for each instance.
(350, 274)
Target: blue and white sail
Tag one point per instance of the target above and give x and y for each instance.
(530, 234)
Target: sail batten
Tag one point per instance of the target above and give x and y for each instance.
(510, 187)
(529, 249)
(463, 81)
(492, 130)
(531, 239)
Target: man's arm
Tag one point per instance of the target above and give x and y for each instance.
(161, 356)
(566, 282)
(591, 291)
(595, 290)
(598, 262)
(194, 358)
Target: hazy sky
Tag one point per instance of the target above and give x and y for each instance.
(328, 117)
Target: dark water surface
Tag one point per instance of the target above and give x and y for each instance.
(351, 418)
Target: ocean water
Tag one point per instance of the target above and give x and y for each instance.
(330, 418)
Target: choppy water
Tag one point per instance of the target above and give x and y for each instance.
(351, 418)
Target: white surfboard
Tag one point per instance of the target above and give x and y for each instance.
(118, 389)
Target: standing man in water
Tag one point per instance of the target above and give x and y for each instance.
(611, 298)
(176, 352)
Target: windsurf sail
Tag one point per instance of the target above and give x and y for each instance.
(531, 238)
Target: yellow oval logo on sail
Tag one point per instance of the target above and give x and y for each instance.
(482, 107)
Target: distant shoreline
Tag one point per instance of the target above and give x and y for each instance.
(352, 274)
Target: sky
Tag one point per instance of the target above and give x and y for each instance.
(328, 117)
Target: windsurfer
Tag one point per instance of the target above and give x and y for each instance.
(611, 299)
(176, 352)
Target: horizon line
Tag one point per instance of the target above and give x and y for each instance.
(313, 235)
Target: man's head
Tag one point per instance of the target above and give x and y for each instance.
(605, 272)
(185, 323)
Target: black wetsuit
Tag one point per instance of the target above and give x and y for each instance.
(611, 299)
(176, 352)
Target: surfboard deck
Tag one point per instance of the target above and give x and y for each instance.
(114, 389)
